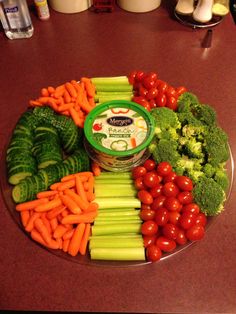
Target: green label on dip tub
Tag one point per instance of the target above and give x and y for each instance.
(117, 134)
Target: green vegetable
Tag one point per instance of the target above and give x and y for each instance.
(118, 254)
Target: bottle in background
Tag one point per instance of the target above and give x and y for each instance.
(15, 18)
(42, 9)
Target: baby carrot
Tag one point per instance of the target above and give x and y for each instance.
(53, 223)
(68, 178)
(60, 242)
(71, 89)
(68, 234)
(66, 185)
(90, 191)
(36, 236)
(85, 239)
(30, 224)
(77, 199)
(76, 219)
(46, 222)
(89, 87)
(65, 245)
(80, 189)
(59, 91)
(51, 89)
(44, 92)
(93, 206)
(31, 204)
(70, 203)
(75, 241)
(48, 206)
(65, 107)
(35, 103)
(42, 229)
(59, 231)
(96, 169)
(46, 194)
(25, 216)
(76, 118)
(53, 213)
(66, 96)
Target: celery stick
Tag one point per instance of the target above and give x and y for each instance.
(123, 209)
(113, 192)
(118, 202)
(113, 87)
(114, 175)
(107, 80)
(118, 254)
(116, 228)
(113, 182)
(115, 242)
(120, 236)
(116, 213)
(102, 99)
(128, 93)
(116, 221)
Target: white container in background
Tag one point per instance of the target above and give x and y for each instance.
(70, 6)
(139, 6)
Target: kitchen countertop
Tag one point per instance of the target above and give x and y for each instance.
(200, 279)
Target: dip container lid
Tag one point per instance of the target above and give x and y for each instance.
(117, 122)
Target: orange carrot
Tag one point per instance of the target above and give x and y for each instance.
(46, 222)
(93, 206)
(75, 241)
(53, 223)
(84, 174)
(55, 186)
(85, 104)
(59, 231)
(76, 219)
(35, 103)
(31, 204)
(51, 89)
(68, 178)
(25, 216)
(60, 242)
(30, 223)
(65, 213)
(91, 102)
(80, 189)
(48, 206)
(90, 89)
(90, 192)
(66, 96)
(85, 239)
(46, 194)
(65, 107)
(44, 92)
(77, 199)
(59, 91)
(65, 245)
(71, 89)
(42, 229)
(96, 169)
(68, 234)
(53, 213)
(36, 236)
(70, 203)
(66, 185)
(77, 120)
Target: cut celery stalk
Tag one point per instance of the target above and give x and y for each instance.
(116, 221)
(112, 183)
(122, 79)
(123, 209)
(113, 87)
(118, 213)
(102, 191)
(106, 98)
(118, 254)
(117, 202)
(116, 228)
(115, 242)
(120, 236)
(114, 175)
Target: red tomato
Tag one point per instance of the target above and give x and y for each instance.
(161, 216)
(138, 183)
(180, 90)
(181, 237)
(161, 100)
(170, 177)
(142, 91)
(170, 91)
(149, 164)
(152, 75)
(195, 233)
(172, 204)
(152, 93)
(149, 227)
(152, 103)
(170, 189)
(166, 245)
(153, 253)
(192, 208)
(138, 172)
(148, 82)
(132, 77)
(158, 202)
(171, 103)
(174, 217)
(156, 190)
(147, 214)
(149, 240)
(184, 183)
(187, 220)
(151, 179)
(162, 86)
(145, 206)
(145, 197)
(170, 231)
(164, 168)
(201, 219)
(185, 197)
(139, 76)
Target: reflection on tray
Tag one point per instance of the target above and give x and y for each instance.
(189, 21)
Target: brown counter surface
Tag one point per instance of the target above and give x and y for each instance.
(200, 279)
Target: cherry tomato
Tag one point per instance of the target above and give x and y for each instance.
(201, 219)
(147, 214)
(139, 75)
(174, 217)
(170, 91)
(152, 103)
(149, 164)
(142, 91)
(164, 168)
(158, 202)
(185, 197)
(152, 75)
(162, 86)
(132, 77)
(161, 216)
(170, 231)
(166, 245)
(145, 206)
(181, 237)
(149, 240)
(195, 233)
(170, 189)
(172, 204)
(171, 103)
(153, 253)
(156, 190)
(138, 183)
(149, 227)
(148, 82)
(192, 208)
(187, 220)
(138, 171)
(151, 179)
(180, 90)
(161, 100)
(145, 197)
(184, 183)
(152, 93)
(170, 177)
(141, 101)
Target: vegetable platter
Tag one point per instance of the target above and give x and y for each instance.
(155, 203)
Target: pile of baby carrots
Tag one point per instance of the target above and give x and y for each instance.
(61, 217)
(74, 99)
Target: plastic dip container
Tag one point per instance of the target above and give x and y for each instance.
(117, 134)
(139, 6)
(70, 6)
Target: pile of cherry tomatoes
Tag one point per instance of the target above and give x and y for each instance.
(170, 216)
(151, 92)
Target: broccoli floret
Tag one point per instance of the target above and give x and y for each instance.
(216, 146)
(209, 170)
(195, 175)
(186, 164)
(206, 114)
(222, 179)
(164, 150)
(193, 148)
(187, 101)
(165, 119)
(209, 195)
